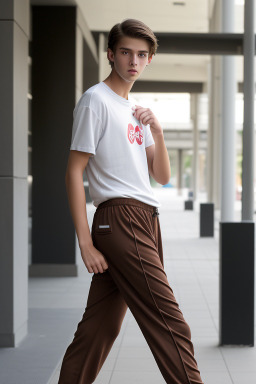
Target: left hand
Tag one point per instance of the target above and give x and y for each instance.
(146, 116)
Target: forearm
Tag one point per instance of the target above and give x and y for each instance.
(77, 205)
(161, 163)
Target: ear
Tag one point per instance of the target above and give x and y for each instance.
(149, 60)
(110, 55)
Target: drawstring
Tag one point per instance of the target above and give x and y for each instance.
(155, 213)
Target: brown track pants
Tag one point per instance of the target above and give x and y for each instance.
(127, 232)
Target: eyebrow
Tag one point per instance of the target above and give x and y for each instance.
(128, 49)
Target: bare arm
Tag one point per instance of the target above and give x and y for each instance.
(158, 161)
(93, 259)
(157, 154)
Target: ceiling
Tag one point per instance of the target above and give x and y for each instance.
(161, 16)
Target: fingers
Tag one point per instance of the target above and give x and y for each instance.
(94, 260)
(144, 115)
(138, 110)
(99, 266)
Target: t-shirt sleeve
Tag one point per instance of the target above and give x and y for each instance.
(86, 130)
(148, 136)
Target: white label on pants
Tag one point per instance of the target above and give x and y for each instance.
(103, 226)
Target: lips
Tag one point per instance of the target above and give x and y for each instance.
(132, 71)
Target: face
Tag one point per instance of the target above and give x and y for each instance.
(130, 58)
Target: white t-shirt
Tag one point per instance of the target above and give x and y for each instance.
(104, 126)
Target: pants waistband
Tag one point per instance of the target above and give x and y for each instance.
(128, 201)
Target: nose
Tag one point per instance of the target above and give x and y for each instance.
(133, 59)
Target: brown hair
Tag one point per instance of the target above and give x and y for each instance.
(132, 28)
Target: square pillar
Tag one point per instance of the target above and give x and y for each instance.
(236, 283)
(206, 220)
(14, 38)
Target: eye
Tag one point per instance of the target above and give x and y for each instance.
(124, 52)
(142, 54)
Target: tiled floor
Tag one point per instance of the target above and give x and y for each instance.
(192, 268)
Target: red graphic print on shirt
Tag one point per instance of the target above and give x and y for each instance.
(136, 133)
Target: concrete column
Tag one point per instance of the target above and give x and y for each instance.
(179, 171)
(248, 128)
(213, 133)
(216, 94)
(215, 111)
(254, 170)
(194, 115)
(210, 147)
(228, 91)
(14, 37)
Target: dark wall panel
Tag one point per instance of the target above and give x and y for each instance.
(53, 91)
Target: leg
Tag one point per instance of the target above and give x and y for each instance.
(133, 250)
(96, 332)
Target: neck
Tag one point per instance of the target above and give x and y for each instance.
(118, 85)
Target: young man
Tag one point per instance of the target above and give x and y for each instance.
(120, 144)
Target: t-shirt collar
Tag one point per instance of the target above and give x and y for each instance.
(118, 97)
